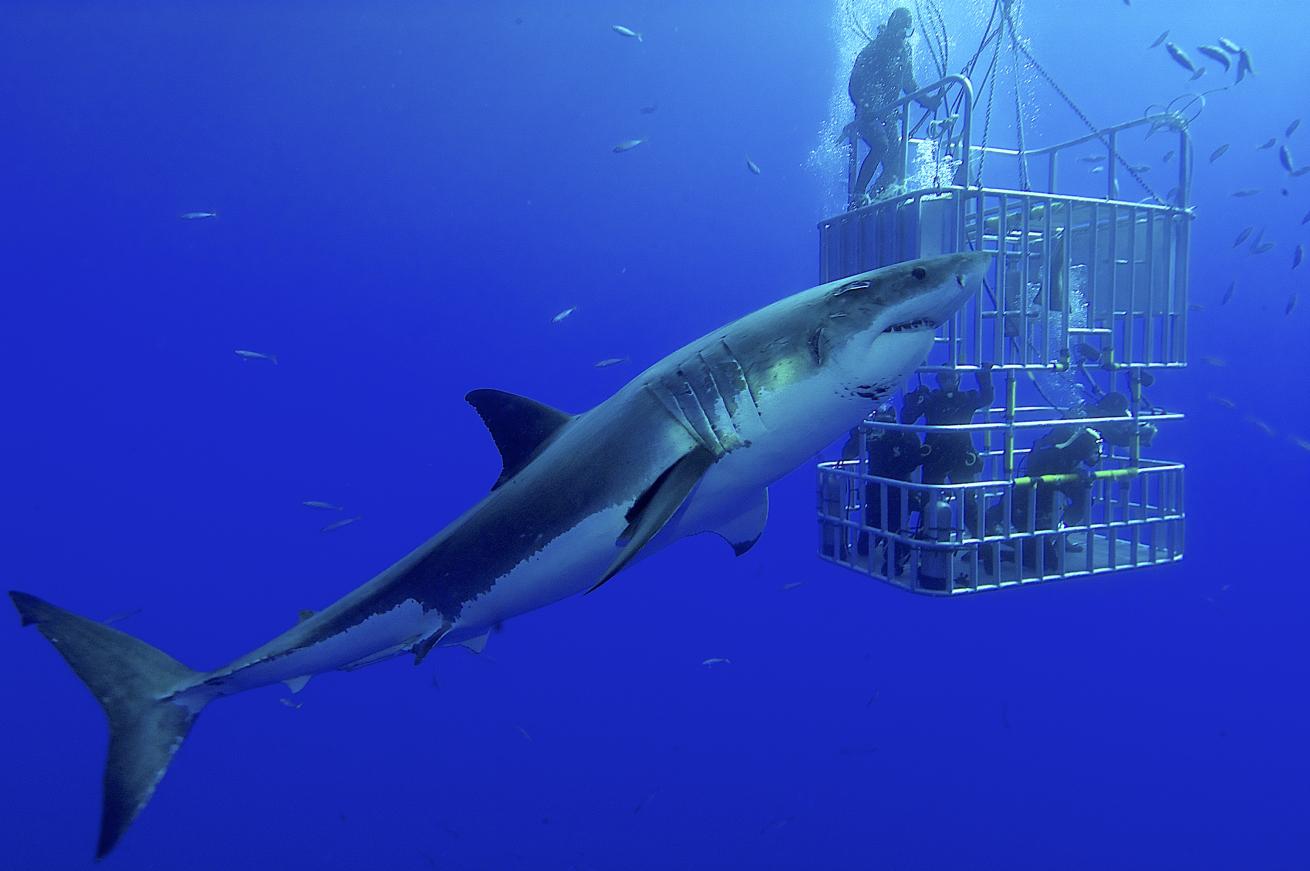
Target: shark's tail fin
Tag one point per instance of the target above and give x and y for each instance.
(134, 683)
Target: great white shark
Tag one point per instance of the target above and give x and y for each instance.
(688, 446)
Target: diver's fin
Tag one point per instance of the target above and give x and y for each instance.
(518, 425)
(745, 529)
(133, 683)
(654, 507)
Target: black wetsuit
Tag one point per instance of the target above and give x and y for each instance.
(951, 456)
(882, 70)
(893, 454)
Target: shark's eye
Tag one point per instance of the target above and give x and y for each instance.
(919, 272)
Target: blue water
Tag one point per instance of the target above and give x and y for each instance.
(407, 194)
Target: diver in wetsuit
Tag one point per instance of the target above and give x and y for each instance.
(951, 455)
(882, 71)
(893, 454)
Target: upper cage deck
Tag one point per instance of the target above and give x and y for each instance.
(1111, 269)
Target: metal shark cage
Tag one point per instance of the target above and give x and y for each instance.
(1087, 297)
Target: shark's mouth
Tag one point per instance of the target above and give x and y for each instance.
(910, 326)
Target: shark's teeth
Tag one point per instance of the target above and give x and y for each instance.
(919, 324)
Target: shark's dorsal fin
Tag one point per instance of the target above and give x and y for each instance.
(654, 507)
(745, 529)
(518, 425)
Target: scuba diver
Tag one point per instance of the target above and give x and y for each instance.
(950, 455)
(882, 71)
(1116, 404)
(893, 454)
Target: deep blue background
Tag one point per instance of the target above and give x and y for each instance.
(408, 192)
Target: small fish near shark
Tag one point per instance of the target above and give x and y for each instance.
(692, 444)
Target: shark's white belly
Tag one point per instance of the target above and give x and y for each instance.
(570, 564)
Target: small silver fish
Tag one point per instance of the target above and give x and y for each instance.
(791, 585)
(197, 216)
(1098, 169)
(1217, 362)
(1228, 294)
(1092, 158)
(610, 361)
(1285, 158)
(345, 521)
(649, 110)
(1180, 57)
(562, 315)
(1303, 444)
(1244, 67)
(1291, 304)
(1263, 248)
(1269, 143)
(321, 506)
(1243, 236)
(1306, 219)
(1298, 255)
(295, 706)
(716, 660)
(1168, 156)
(1216, 54)
(1260, 425)
(626, 31)
(1223, 400)
(1159, 39)
(1291, 128)
(627, 145)
(256, 355)
(1217, 153)
(1139, 167)
(524, 733)
(1246, 192)
(752, 165)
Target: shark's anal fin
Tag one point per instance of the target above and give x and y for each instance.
(746, 528)
(654, 507)
(518, 425)
(478, 643)
(296, 684)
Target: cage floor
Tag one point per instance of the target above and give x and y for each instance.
(1010, 572)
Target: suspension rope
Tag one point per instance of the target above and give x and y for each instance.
(929, 39)
(987, 118)
(945, 42)
(1018, 113)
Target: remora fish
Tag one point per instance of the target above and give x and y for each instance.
(256, 355)
(1244, 65)
(692, 445)
(626, 31)
(1181, 57)
(1229, 46)
(197, 216)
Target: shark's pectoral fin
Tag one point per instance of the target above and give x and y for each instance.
(654, 507)
(518, 425)
(746, 528)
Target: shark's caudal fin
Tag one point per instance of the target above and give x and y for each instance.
(133, 683)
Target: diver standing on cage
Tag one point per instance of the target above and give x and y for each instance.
(883, 70)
